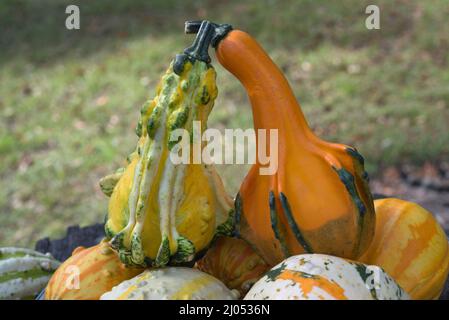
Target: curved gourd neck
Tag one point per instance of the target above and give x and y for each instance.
(273, 103)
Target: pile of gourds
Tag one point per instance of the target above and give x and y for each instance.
(309, 231)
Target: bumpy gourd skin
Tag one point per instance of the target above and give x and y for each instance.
(161, 213)
(171, 283)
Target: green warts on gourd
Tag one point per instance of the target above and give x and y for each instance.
(147, 202)
(108, 183)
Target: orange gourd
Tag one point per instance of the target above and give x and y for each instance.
(318, 201)
(88, 273)
(234, 262)
(411, 246)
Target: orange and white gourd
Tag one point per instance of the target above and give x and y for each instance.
(87, 274)
(411, 246)
(324, 277)
(171, 283)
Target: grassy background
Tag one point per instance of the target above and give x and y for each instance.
(69, 100)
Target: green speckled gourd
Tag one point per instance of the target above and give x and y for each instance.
(24, 273)
(162, 213)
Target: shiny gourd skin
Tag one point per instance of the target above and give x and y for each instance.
(99, 269)
(234, 262)
(162, 213)
(171, 283)
(24, 272)
(324, 277)
(318, 201)
(411, 246)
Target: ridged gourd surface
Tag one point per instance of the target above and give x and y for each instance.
(234, 262)
(88, 273)
(24, 272)
(411, 246)
(160, 212)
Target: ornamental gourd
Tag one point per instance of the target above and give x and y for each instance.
(88, 273)
(234, 262)
(324, 277)
(24, 272)
(318, 200)
(171, 283)
(162, 212)
(411, 246)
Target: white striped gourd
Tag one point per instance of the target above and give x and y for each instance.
(24, 272)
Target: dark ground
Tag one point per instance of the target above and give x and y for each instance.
(427, 185)
(62, 248)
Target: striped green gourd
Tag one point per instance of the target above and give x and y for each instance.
(24, 272)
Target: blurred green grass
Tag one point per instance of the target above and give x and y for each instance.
(69, 100)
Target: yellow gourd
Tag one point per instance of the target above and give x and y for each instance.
(87, 274)
(162, 212)
(411, 246)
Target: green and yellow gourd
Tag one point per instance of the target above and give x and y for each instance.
(24, 273)
(162, 213)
